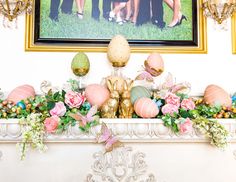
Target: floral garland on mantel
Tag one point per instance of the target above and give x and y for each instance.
(55, 111)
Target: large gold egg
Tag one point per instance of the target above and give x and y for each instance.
(80, 64)
(118, 51)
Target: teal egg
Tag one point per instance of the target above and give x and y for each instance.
(138, 92)
(21, 104)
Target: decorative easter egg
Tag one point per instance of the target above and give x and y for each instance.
(138, 92)
(146, 108)
(154, 64)
(214, 95)
(80, 64)
(21, 105)
(21, 93)
(118, 51)
(97, 94)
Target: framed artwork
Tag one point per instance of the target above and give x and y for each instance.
(148, 25)
(233, 24)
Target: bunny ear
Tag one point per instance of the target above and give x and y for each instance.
(109, 84)
(115, 85)
(125, 85)
(131, 84)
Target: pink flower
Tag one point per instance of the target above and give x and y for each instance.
(58, 110)
(51, 124)
(169, 109)
(173, 99)
(186, 127)
(74, 99)
(187, 104)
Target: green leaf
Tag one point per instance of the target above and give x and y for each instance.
(50, 105)
(184, 113)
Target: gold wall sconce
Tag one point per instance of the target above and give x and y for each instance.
(219, 10)
(11, 9)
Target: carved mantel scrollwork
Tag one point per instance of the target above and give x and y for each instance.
(120, 165)
(127, 130)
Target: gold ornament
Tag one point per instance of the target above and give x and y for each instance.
(110, 108)
(126, 108)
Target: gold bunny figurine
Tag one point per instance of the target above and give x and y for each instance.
(110, 108)
(126, 108)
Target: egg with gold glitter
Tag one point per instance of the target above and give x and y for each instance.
(80, 64)
(154, 64)
(118, 51)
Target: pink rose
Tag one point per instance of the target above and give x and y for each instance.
(186, 127)
(169, 109)
(173, 99)
(74, 99)
(51, 124)
(187, 104)
(58, 110)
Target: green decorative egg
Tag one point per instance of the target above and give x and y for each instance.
(80, 64)
(139, 92)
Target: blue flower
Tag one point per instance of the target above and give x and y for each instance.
(158, 103)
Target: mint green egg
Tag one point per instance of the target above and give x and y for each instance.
(80, 64)
(139, 92)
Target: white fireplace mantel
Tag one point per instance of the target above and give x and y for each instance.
(127, 130)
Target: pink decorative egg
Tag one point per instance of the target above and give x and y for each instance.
(146, 108)
(21, 93)
(154, 64)
(214, 95)
(97, 94)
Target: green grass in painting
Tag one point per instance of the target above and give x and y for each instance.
(70, 26)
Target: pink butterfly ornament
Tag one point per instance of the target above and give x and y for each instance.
(89, 117)
(108, 139)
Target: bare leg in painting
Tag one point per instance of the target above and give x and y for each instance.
(80, 7)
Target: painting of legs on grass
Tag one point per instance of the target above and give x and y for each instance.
(138, 20)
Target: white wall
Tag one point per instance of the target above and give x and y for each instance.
(19, 67)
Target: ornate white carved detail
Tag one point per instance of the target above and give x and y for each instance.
(127, 130)
(1, 154)
(234, 153)
(120, 165)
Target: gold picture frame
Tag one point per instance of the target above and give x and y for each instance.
(200, 48)
(233, 24)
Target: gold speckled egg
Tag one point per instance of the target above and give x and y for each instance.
(118, 51)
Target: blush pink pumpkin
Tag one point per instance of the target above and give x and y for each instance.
(146, 108)
(97, 94)
(216, 95)
(21, 93)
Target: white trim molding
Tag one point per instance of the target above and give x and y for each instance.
(127, 130)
